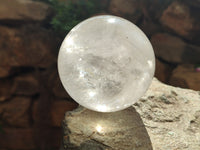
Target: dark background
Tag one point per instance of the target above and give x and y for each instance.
(32, 99)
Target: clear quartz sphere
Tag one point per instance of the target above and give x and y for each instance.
(106, 63)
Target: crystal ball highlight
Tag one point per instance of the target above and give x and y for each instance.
(106, 63)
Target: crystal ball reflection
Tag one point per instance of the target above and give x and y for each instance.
(106, 63)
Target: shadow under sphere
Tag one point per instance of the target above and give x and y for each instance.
(89, 130)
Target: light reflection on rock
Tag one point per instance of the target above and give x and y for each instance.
(122, 130)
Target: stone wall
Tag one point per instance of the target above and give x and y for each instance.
(173, 27)
(32, 99)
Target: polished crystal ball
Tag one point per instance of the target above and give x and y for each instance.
(106, 63)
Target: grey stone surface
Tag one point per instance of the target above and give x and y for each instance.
(88, 130)
(170, 116)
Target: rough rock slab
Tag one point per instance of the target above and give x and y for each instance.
(59, 107)
(128, 8)
(150, 28)
(186, 76)
(25, 85)
(24, 52)
(15, 112)
(163, 71)
(170, 115)
(182, 19)
(173, 49)
(152, 9)
(23, 10)
(88, 130)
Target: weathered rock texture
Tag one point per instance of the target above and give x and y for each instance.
(88, 130)
(163, 71)
(23, 10)
(182, 19)
(31, 47)
(25, 85)
(170, 115)
(129, 9)
(31, 107)
(186, 76)
(57, 112)
(174, 50)
(15, 112)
